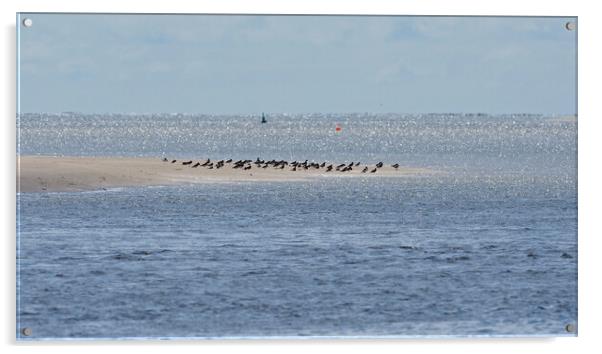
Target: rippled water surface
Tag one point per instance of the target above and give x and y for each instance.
(486, 245)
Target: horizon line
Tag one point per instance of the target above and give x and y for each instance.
(296, 113)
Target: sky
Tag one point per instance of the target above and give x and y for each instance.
(226, 64)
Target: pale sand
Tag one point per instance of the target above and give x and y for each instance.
(566, 118)
(63, 174)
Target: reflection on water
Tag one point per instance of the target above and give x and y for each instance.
(486, 246)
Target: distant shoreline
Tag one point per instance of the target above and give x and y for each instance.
(74, 174)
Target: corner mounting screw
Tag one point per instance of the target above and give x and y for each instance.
(570, 26)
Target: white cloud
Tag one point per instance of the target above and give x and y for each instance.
(306, 61)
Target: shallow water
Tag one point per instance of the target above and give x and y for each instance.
(485, 246)
(464, 140)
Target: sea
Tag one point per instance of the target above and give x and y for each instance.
(482, 242)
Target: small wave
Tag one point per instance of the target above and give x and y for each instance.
(456, 259)
(126, 257)
(101, 190)
(67, 258)
(149, 253)
(230, 245)
(532, 254)
(28, 313)
(142, 253)
(378, 247)
(137, 255)
(354, 261)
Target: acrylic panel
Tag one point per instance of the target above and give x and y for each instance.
(228, 176)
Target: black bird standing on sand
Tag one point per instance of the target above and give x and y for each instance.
(395, 166)
(365, 169)
(373, 171)
(174, 161)
(229, 160)
(247, 168)
(196, 165)
(206, 162)
(379, 165)
(187, 162)
(329, 168)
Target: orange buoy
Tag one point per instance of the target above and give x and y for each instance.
(338, 128)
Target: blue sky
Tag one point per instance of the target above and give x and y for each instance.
(296, 64)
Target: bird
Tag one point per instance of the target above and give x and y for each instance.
(282, 164)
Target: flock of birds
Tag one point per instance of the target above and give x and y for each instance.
(281, 165)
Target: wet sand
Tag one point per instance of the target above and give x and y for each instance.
(71, 174)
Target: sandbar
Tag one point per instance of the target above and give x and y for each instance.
(72, 174)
